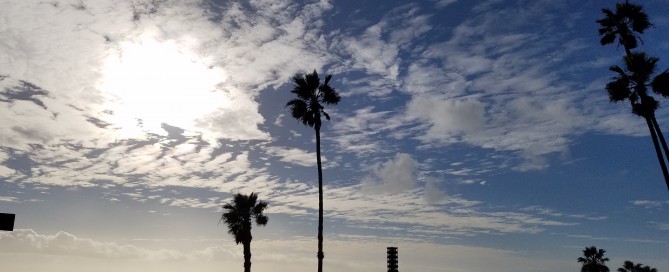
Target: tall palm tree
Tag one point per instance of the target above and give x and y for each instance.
(238, 215)
(593, 260)
(627, 23)
(632, 83)
(308, 109)
(632, 267)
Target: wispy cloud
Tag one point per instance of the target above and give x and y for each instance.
(650, 204)
(63, 243)
(294, 155)
(394, 176)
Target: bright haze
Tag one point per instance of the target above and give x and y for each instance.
(472, 135)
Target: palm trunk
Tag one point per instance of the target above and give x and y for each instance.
(656, 126)
(628, 52)
(247, 256)
(661, 136)
(658, 151)
(320, 198)
(655, 132)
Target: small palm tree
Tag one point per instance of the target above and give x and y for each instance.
(593, 260)
(308, 109)
(632, 83)
(632, 267)
(238, 215)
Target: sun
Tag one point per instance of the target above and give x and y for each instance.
(148, 82)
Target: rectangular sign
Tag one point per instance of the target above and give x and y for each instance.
(7, 221)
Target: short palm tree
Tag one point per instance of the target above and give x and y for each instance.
(238, 215)
(593, 260)
(308, 109)
(632, 267)
(632, 83)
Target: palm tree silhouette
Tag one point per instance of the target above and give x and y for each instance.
(626, 23)
(593, 260)
(632, 267)
(632, 83)
(238, 215)
(622, 24)
(308, 108)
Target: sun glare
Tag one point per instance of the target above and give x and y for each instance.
(149, 82)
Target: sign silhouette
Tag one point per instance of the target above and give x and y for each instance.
(7, 221)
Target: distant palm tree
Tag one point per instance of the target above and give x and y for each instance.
(627, 23)
(631, 83)
(238, 215)
(593, 260)
(308, 109)
(631, 267)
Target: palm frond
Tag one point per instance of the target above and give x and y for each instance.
(636, 17)
(300, 111)
(618, 90)
(301, 88)
(607, 38)
(312, 80)
(617, 69)
(641, 67)
(261, 220)
(660, 84)
(330, 95)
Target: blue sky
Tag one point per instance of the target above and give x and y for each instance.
(472, 135)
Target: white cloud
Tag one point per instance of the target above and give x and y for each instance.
(294, 155)
(444, 3)
(648, 204)
(80, 42)
(193, 202)
(393, 176)
(492, 85)
(661, 226)
(432, 192)
(359, 131)
(63, 243)
(447, 117)
(373, 54)
(8, 199)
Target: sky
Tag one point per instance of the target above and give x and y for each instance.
(472, 135)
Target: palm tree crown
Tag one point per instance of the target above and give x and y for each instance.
(623, 23)
(238, 215)
(311, 95)
(593, 260)
(632, 82)
(632, 267)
